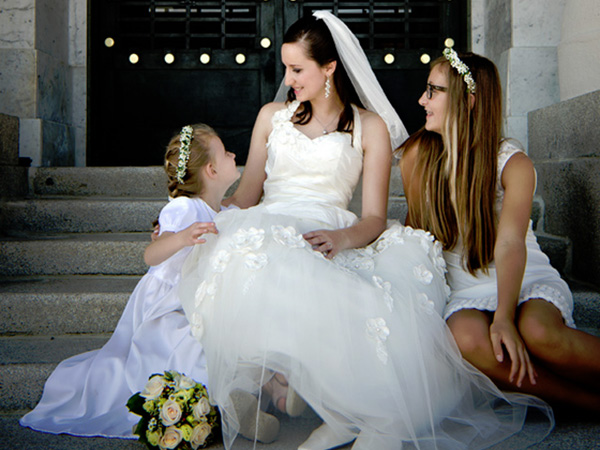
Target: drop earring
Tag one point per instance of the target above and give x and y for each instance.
(327, 88)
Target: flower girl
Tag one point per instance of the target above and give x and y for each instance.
(87, 394)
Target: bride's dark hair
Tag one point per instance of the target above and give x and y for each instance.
(318, 43)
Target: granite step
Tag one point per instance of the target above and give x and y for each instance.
(79, 215)
(74, 253)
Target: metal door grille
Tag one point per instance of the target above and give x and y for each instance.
(404, 25)
(185, 25)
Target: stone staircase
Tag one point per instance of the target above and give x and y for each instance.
(70, 256)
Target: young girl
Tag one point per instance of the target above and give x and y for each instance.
(509, 311)
(153, 334)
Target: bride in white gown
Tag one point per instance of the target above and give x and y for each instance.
(298, 285)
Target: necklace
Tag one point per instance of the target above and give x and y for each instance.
(328, 123)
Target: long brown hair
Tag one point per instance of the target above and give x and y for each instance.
(318, 43)
(458, 171)
(200, 156)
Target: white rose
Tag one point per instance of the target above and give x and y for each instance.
(171, 438)
(423, 274)
(170, 413)
(199, 435)
(255, 261)
(201, 409)
(184, 382)
(153, 388)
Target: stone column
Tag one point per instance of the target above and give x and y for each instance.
(35, 80)
(579, 49)
(521, 38)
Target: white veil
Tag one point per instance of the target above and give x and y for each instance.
(361, 75)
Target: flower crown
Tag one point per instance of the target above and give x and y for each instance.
(461, 68)
(185, 138)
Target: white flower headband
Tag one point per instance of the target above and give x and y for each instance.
(461, 68)
(185, 138)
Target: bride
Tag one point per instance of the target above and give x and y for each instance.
(345, 309)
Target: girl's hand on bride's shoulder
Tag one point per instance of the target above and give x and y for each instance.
(328, 242)
(192, 235)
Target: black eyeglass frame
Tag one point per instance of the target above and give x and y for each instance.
(431, 88)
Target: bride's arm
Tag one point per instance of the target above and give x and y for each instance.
(250, 189)
(376, 178)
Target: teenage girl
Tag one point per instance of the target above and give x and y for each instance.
(509, 310)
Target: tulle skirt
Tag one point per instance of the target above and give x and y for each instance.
(359, 337)
(86, 395)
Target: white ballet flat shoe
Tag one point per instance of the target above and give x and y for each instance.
(324, 438)
(265, 429)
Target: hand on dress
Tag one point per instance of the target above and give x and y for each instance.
(328, 242)
(192, 235)
(504, 332)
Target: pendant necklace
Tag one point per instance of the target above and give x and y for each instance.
(329, 123)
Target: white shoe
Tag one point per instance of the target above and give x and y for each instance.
(324, 438)
(265, 429)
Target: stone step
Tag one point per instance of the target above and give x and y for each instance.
(79, 215)
(57, 305)
(81, 253)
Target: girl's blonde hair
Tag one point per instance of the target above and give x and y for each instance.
(458, 172)
(199, 156)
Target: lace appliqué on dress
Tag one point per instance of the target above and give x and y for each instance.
(378, 332)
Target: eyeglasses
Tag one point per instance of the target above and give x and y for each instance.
(429, 90)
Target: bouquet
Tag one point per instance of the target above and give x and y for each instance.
(175, 413)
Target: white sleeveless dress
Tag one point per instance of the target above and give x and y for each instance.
(86, 395)
(540, 280)
(361, 337)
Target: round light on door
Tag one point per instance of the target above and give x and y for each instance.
(109, 42)
(389, 58)
(134, 58)
(240, 58)
(425, 58)
(265, 42)
(449, 42)
(169, 58)
(204, 58)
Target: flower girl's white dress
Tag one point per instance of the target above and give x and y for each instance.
(86, 395)
(360, 337)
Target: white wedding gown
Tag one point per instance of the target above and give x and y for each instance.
(360, 337)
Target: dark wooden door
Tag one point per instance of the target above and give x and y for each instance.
(157, 65)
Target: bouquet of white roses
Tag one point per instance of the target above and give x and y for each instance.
(175, 413)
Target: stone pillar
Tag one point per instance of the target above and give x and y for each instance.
(35, 78)
(521, 37)
(13, 176)
(579, 49)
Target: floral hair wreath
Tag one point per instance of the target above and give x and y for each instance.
(185, 138)
(461, 68)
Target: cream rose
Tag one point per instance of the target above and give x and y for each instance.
(170, 413)
(170, 439)
(201, 409)
(199, 435)
(153, 388)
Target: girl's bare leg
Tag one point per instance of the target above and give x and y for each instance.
(570, 353)
(470, 328)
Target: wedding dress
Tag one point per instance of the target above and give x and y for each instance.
(359, 337)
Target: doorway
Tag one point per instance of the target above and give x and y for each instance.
(155, 66)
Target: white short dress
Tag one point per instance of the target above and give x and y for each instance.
(86, 395)
(359, 337)
(540, 280)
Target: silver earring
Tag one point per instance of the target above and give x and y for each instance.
(327, 88)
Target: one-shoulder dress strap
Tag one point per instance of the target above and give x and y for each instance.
(285, 115)
(357, 132)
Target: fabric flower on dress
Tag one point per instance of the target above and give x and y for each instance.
(206, 290)
(386, 286)
(356, 259)
(393, 235)
(288, 236)
(378, 332)
(197, 325)
(255, 261)
(220, 260)
(247, 240)
(423, 274)
(426, 303)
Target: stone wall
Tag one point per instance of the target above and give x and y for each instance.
(564, 145)
(13, 176)
(42, 77)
